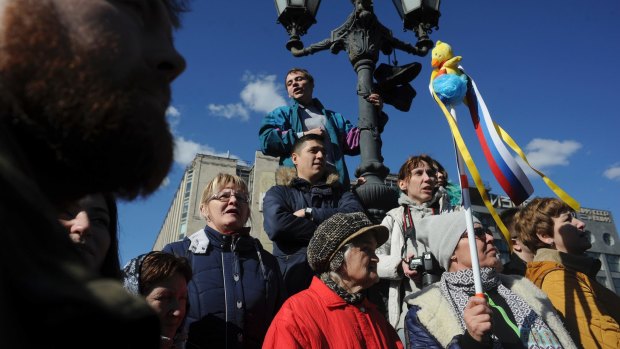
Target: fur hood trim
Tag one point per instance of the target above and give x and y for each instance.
(285, 176)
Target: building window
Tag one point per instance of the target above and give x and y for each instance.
(608, 239)
(183, 231)
(614, 263)
(617, 285)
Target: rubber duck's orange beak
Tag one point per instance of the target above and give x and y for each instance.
(435, 63)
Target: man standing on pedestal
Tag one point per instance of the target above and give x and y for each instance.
(292, 211)
(281, 128)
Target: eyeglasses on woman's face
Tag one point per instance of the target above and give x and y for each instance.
(225, 195)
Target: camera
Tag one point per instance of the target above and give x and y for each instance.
(428, 266)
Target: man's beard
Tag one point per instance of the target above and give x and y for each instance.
(81, 132)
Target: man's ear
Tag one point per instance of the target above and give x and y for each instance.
(295, 158)
(546, 238)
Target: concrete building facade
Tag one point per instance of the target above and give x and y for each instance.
(183, 217)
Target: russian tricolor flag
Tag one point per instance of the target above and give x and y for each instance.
(503, 165)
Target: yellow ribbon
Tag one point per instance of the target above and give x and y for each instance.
(469, 162)
(554, 187)
(506, 138)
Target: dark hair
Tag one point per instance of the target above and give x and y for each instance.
(309, 137)
(111, 266)
(439, 168)
(302, 71)
(508, 218)
(175, 8)
(158, 266)
(414, 161)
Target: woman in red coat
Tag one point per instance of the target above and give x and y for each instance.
(332, 312)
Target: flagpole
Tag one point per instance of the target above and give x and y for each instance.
(469, 221)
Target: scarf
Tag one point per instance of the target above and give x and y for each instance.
(132, 280)
(350, 298)
(403, 199)
(457, 287)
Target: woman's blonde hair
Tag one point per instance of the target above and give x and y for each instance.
(220, 181)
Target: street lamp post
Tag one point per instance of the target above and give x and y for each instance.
(362, 36)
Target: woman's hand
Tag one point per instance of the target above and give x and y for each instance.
(477, 315)
(412, 274)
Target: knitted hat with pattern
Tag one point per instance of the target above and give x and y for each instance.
(337, 231)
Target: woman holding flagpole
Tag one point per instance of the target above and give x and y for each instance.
(512, 314)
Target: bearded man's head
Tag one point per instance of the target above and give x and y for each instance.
(84, 89)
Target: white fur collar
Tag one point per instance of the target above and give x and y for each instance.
(199, 242)
(439, 319)
(436, 314)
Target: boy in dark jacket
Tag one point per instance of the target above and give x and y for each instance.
(292, 212)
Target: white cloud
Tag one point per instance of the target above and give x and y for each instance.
(230, 111)
(173, 113)
(165, 182)
(261, 94)
(174, 117)
(613, 172)
(546, 153)
(185, 151)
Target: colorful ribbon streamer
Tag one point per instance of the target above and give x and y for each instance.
(505, 169)
(471, 166)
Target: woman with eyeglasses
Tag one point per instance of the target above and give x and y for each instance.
(447, 314)
(236, 288)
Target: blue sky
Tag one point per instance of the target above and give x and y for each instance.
(546, 70)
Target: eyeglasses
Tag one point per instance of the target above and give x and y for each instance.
(480, 233)
(226, 194)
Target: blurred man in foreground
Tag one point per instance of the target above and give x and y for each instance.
(84, 86)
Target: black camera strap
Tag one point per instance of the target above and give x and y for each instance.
(407, 226)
